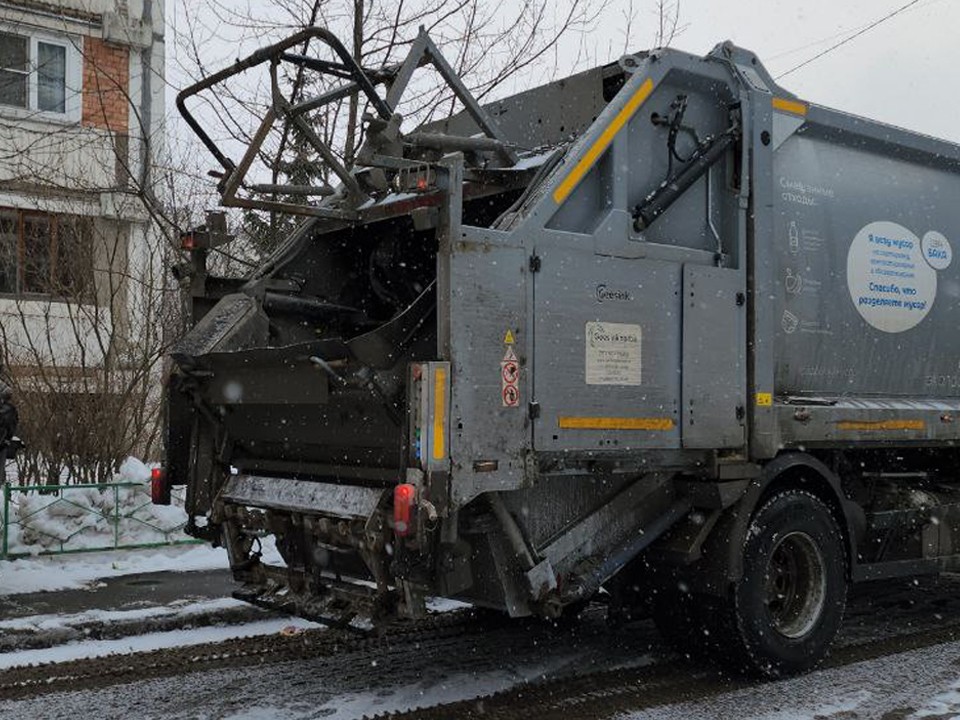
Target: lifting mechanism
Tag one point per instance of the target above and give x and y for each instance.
(386, 148)
(388, 162)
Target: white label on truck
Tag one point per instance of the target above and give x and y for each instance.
(613, 353)
(891, 283)
(936, 250)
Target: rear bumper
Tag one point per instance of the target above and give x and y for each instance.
(334, 538)
(303, 496)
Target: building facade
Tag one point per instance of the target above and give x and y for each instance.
(81, 128)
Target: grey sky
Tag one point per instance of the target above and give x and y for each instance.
(901, 72)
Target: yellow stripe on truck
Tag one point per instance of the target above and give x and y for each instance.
(439, 414)
(615, 423)
(602, 143)
(790, 106)
(875, 425)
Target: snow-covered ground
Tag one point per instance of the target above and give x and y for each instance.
(907, 686)
(58, 621)
(142, 642)
(82, 519)
(62, 572)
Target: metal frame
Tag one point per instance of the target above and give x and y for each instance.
(338, 205)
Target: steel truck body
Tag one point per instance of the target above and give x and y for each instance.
(660, 328)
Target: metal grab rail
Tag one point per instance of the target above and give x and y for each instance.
(272, 53)
(114, 519)
(385, 126)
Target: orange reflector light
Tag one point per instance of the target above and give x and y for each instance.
(159, 489)
(404, 496)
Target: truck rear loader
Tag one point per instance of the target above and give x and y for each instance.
(660, 329)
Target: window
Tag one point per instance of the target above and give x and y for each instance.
(14, 70)
(40, 74)
(43, 254)
(51, 77)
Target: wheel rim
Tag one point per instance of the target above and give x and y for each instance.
(796, 585)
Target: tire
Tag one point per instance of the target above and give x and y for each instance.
(782, 615)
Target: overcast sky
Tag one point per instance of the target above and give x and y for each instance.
(905, 71)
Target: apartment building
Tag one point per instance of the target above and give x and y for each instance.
(81, 128)
(81, 124)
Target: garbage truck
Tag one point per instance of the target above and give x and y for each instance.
(660, 333)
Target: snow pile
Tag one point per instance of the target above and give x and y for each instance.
(89, 518)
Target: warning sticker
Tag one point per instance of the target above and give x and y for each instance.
(612, 353)
(510, 379)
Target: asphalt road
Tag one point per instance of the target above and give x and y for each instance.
(898, 656)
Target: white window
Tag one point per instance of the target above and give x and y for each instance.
(40, 76)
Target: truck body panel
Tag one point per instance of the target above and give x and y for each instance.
(583, 337)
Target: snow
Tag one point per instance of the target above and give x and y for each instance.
(63, 572)
(86, 570)
(909, 685)
(184, 609)
(461, 686)
(81, 518)
(944, 704)
(442, 605)
(150, 641)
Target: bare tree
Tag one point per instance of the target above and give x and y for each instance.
(668, 22)
(489, 44)
(88, 312)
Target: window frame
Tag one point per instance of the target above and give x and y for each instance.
(73, 76)
(82, 292)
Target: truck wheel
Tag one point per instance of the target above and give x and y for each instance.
(788, 605)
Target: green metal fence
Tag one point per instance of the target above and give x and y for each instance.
(111, 529)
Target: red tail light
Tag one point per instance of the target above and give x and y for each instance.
(188, 241)
(404, 497)
(159, 487)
